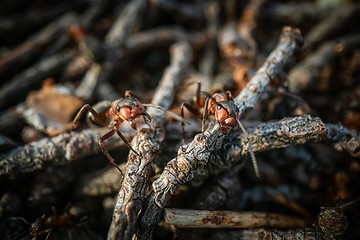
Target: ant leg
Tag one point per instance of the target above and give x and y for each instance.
(86, 107)
(147, 120)
(106, 153)
(48, 235)
(198, 92)
(251, 151)
(228, 96)
(67, 207)
(193, 110)
(53, 209)
(205, 115)
(130, 94)
(126, 142)
(183, 124)
(75, 123)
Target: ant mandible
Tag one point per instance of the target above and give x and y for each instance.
(226, 114)
(124, 109)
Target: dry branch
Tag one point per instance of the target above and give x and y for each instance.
(22, 82)
(148, 143)
(306, 75)
(25, 52)
(195, 156)
(331, 26)
(61, 149)
(344, 139)
(126, 20)
(184, 218)
(331, 223)
(290, 40)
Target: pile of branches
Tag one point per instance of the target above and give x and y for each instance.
(296, 90)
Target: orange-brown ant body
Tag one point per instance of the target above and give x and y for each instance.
(226, 113)
(220, 105)
(124, 109)
(46, 224)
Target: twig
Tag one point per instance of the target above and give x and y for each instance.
(88, 82)
(331, 223)
(194, 157)
(296, 13)
(270, 135)
(207, 63)
(100, 183)
(95, 9)
(61, 149)
(79, 65)
(290, 40)
(10, 121)
(306, 74)
(25, 52)
(148, 143)
(192, 11)
(344, 139)
(215, 153)
(199, 151)
(38, 120)
(117, 37)
(22, 82)
(223, 193)
(183, 218)
(238, 44)
(331, 26)
(126, 20)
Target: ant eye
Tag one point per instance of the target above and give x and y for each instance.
(118, 107)
(218, 107)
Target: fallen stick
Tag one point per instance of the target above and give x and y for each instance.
(195, 156)
(184, 218)
(148, 143)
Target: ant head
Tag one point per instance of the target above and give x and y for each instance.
(38, 226)
(226, 114)
(129, 109)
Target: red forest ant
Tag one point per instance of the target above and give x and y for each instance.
(44, 224)
(226, 114)
(124, 109)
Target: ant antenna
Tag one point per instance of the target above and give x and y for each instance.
(22, 219)
(173, 115)
(252, 155)
(23, 232)
(350, 204)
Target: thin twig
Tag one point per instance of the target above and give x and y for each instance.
(12, 91)
(61, 149)
(290, 40)
(194, 157)
(126, 20)
(306, 74)
(344, 139)
(117, 37)
(331, 223)
(25, 52)
(148, 143)
(331, 26)
(198, 152)
(204, 157)
(184, 218)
